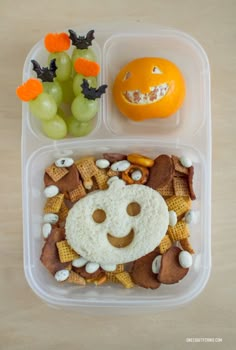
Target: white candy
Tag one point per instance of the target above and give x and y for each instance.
(102, 163)
(186, 162)
(172, 218)
(91, 267)
(79, 262)
(136, 175)
(61, 275)
(46, 229)
(108, 267)
(189, 217)
(64, 162)
(51, 191)
(156, 264)
(185, 259)
(51, 218)
(122, 165)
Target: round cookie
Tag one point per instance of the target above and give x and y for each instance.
(171, 272)
(142, 274)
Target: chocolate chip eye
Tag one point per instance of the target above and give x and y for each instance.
(127, 76)
(133, 209)
(99, 216)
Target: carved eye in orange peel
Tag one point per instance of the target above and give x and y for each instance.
(148, 88)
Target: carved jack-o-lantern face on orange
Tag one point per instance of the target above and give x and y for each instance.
(149, 88)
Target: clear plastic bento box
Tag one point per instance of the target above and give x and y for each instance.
(187, 133)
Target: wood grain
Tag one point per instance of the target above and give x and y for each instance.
(26, 322)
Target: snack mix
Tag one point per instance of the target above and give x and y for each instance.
(119, 219)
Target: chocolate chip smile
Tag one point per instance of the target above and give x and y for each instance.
(121, 242)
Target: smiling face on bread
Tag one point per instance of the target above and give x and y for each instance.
(117, 225)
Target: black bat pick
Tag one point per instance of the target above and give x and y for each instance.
(92, 93)
(81, 42)
(44, 73)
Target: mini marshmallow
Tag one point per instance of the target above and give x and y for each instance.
(156, 264)
(186, 162)
(64, 162)
(185, 259)
(172, 218)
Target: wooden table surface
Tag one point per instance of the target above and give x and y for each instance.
(25, 321)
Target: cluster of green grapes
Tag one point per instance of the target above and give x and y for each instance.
(67, 102)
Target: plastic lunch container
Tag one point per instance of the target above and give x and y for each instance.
(186, 133)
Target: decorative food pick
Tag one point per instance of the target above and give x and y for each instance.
(82, 44)
(85, 105)
(149, 87)
(62, 88)
(43, 106)
(84, 69)
(57, 44)
(48, 75)
(92, 93)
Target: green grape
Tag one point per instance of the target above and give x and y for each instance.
(83, 109)
(75, 128)
(86, 53)
(54, 89)
(43, 107)
(55, 128)
(78, 80)
(61, 113)
(63, 63)
(67, 90)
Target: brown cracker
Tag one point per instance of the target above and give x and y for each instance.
(119, 268)
(66, 184)
(178, 166)
(66, 253)
(78, 193)
(178, 232)
(112, 173)
(181, 186)
(179, 204)
(190, 183)
(53, 204)
(101, 180)
(76, 279)
(125, 279)
(63, 212)
(186, 245)
(49, 256)
(165, 244)
(111, 277)
(86, 167)
(56, 173)
(167, 190)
